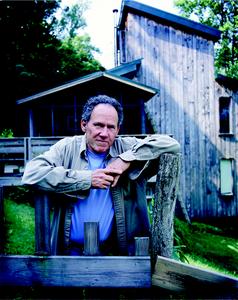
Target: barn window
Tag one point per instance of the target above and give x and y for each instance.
(226, 173)
(225, 115)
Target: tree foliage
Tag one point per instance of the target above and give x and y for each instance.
(223, 15)
(71, 19)
(80, 52)
(74, 45)
(40, 51)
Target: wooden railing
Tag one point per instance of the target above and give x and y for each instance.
(88, 270)
(42, 262)
(15, 152)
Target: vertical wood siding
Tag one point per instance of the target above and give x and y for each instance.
(181, 66)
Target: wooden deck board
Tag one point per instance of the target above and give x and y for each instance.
(76, 271)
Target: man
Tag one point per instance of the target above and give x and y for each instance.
(105, 176)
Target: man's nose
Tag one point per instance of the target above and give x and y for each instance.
(104, 131)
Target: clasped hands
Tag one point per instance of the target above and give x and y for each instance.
(108, 177)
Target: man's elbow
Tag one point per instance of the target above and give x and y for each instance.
(177, 147)
(173, 146)
(30, 178)
(26, 180)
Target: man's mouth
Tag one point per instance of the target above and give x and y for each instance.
(102, 142)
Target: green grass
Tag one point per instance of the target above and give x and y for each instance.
(203, 263)
(208, 246)
(20, 228)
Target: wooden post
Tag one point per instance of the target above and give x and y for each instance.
(1, 220)
(42, 224)
(31, 123)
(142, 246)
(166, 190)
(91, 238)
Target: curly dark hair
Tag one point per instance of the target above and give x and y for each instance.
(101, 99)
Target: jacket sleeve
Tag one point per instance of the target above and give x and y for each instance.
(47, 172)
(147, 149)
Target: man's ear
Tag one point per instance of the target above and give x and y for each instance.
(83, 125)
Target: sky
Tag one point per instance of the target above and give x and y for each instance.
(100, 24)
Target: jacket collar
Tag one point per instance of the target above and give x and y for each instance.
(83, 148)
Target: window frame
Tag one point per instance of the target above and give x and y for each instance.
(230, 117)
(223, 174)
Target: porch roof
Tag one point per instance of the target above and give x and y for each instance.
(106, 78)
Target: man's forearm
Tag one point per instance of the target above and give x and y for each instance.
(150, 148)
(41, 174)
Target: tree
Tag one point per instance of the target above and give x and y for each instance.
(77, 46)
(81, 61)
(58, 54)
(24, 35)
(33, 57)
(223, 15)
(71, 20)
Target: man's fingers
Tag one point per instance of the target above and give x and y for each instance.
(116, 178)
(113, 172)
(109, 178)
(116, 175)
(104, 178)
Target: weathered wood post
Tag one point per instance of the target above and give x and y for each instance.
(142, 246)
(42, 224)
(166, 190)
(91, 238)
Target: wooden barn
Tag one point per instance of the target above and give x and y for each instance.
(199, 111)
(166, 82)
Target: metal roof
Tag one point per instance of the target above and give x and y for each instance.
(230, 83)
(127, 68)
(146, 91)
(168, 18)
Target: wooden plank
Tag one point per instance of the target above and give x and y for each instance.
(91, 238)
(45, 140)
(41, 144)
(142, 246)
(183, 278)
(10, 181)
(76, 271)
(12, 145)
(42, 223)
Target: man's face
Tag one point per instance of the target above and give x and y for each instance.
(102, 128)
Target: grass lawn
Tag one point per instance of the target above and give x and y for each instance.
(209, 246)
(20, 228)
